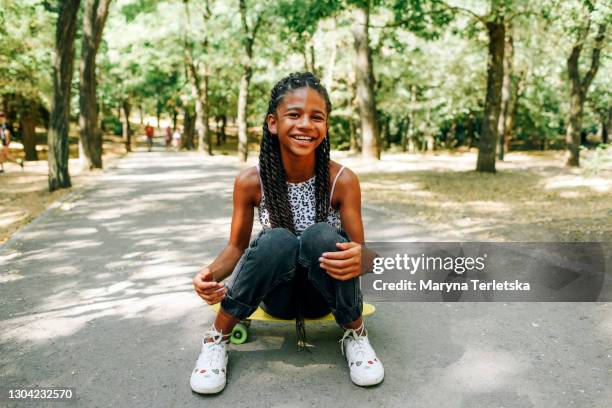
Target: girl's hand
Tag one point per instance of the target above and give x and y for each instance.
(344, 264)
(212, 292)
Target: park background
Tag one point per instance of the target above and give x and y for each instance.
(464, 120)
(433, 89)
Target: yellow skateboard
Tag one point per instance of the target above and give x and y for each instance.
(241, 330)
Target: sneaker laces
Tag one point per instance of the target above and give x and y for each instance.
(216, 348)
(359, 341)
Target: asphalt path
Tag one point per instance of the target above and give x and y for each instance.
(96, 294)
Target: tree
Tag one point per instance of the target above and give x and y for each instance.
(495, 76)
(249, 34)
(27, 31)
(57, 136)
(90, 142)
(365, 82)
(506, 112)
(198, 73)
(579, 86)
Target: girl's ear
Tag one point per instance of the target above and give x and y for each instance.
(272, 124)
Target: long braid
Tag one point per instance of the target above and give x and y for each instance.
(322, 181)
(275, 194)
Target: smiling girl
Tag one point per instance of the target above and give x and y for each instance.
(307, 259)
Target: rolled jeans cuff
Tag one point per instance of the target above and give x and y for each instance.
(237, 309)
(349, 314)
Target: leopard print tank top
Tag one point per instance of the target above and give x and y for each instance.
(303, 201)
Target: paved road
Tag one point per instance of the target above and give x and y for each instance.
(96, 294)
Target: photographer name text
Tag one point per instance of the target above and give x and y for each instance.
(429, 285)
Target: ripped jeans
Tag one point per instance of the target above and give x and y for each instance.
(266, 272)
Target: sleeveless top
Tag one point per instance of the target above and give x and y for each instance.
(303, 204)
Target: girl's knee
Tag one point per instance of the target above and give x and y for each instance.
(319, 238)
(276, 241)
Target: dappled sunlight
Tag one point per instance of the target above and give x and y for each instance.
(520, 202)
(10, 276)
(597, 184)
(77, 244)
(489, 206)
(570, 194)
(134, 207)
(480, 370)
(5, 258)
(10, 217)
(80, 231)
(64, 270)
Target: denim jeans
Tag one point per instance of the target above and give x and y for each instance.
(268, 269)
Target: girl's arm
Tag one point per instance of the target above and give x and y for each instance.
(352, 258)
(207, 281)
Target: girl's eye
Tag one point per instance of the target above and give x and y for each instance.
(293, 115)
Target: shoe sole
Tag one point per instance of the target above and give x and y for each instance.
(215, 390)
(365, 383)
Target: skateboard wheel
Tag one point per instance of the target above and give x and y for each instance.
(239, 334)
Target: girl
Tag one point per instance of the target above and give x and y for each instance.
(302, 264)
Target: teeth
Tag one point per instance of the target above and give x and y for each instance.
(303, 138)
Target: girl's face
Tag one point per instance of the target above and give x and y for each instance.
(300, 122)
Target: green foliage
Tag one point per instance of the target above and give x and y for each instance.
(27, 35)
(429, 59)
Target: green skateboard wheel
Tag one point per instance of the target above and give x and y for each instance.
(239, 334)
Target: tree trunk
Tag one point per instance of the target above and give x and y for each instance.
(188, 129)
(198, 75)
(495, 76)
(515, 94)
(405, 128)
(574, 126)
(248, 35)
(329, 70)
(578, 91)
(126, 131)
(28, 130)
(158, 112)
(607, 122)
(384, 133)
(242, 107)
(222, 135)
(353, 145)
(59, 120)
(199, 90)
(90, 142)
(411, 119)
(505, 95)
(365, 83)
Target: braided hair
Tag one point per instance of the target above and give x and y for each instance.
(273, 177)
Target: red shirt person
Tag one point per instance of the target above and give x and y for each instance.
(149, 131)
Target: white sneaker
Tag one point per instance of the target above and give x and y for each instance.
(366, 369)
(209, 374)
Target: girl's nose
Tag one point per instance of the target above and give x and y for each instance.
(305, 121)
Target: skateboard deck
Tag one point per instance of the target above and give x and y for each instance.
(240, 333)
(260, 314)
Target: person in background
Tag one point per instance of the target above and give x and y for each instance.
(168, 137)
(176, 139)
(149, 131)
(5, 141)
